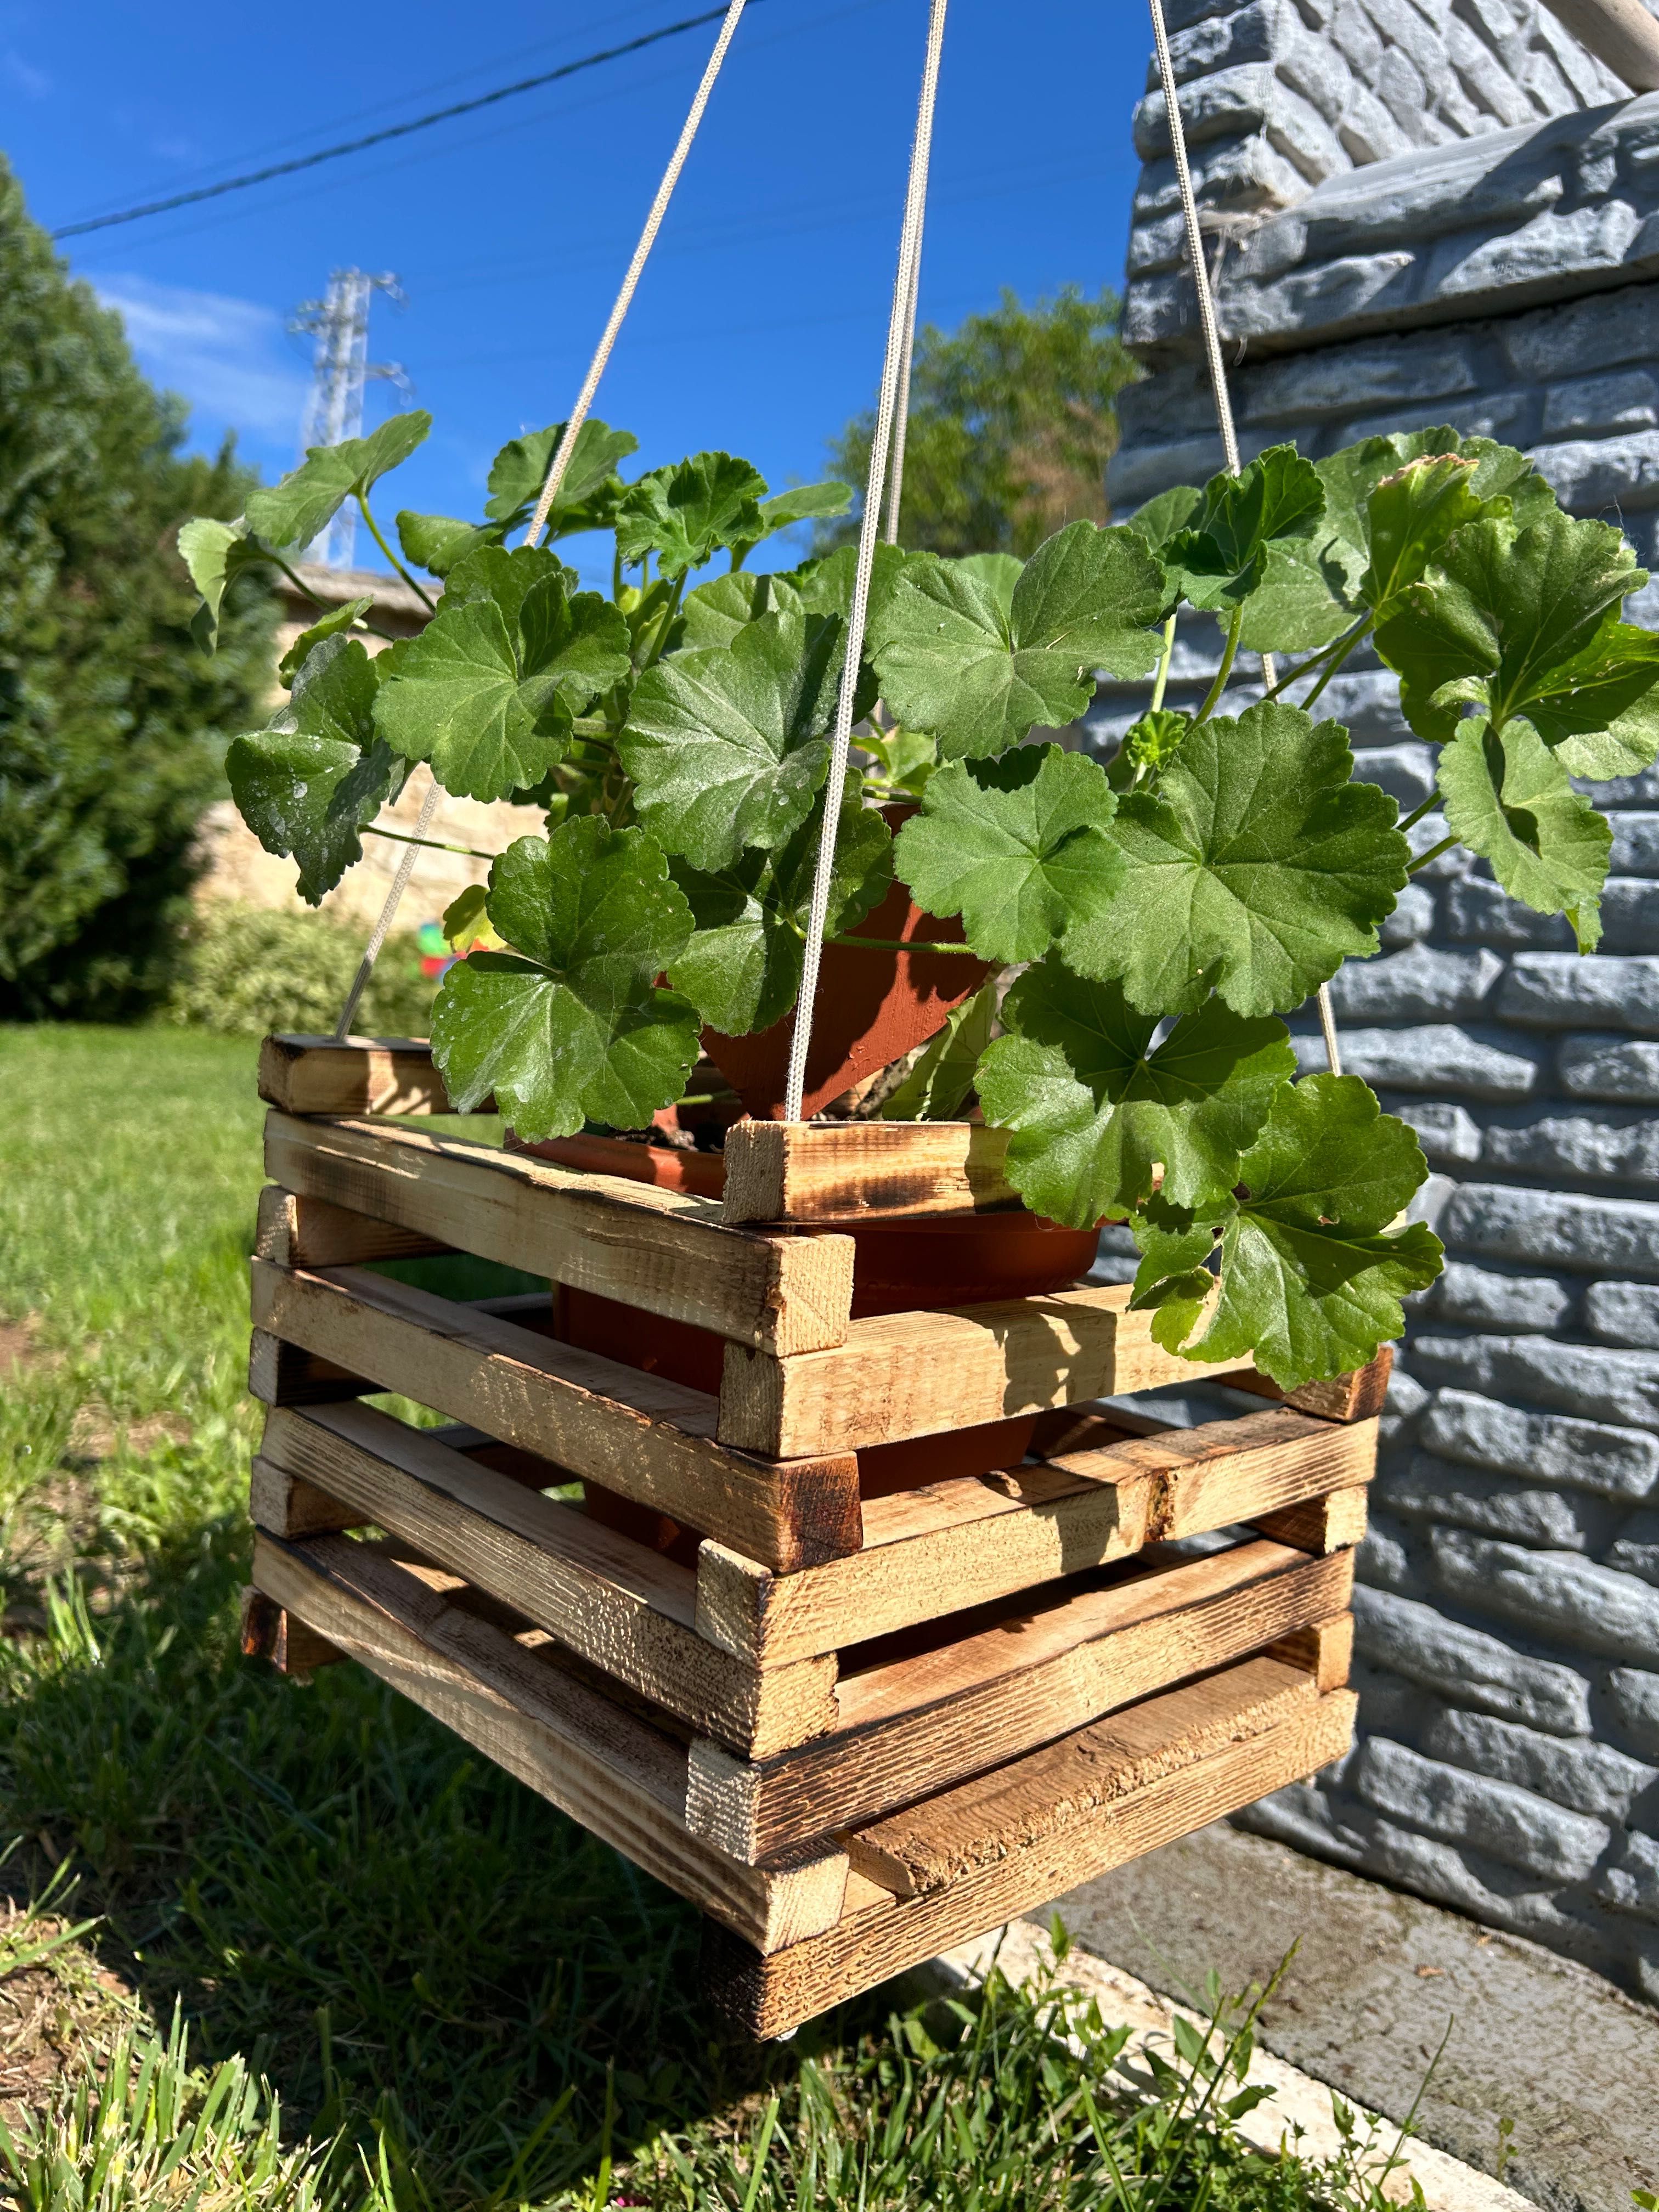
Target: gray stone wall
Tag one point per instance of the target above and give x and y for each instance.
(1508, 1757)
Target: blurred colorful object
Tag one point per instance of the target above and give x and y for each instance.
(436, 958)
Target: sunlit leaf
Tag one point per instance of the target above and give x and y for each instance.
(1508, 799)
(685, 514)
(305, 502)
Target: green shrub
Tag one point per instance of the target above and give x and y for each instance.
(112, 728)
(247, 970)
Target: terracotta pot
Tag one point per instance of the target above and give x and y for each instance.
(872, 1007)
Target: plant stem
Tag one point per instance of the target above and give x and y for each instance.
(437, 845)
(666, 624)
(902, 944)
(1228, 653)
(277, 562)
(1163, 677)
(1433, 853)
(430, 603)
(1335, 662)
(1418, 812)
(1347, 642)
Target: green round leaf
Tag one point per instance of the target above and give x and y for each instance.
(1094, 1108)
(305, 502)
(1509, 799)
(685, 514)
(1259, 867)
(727, 746)
(1017, 846)
(570, 1026)
(953, 659)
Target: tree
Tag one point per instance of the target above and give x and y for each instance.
(113, 729)
(1010, 426)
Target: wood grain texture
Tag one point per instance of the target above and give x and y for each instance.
(353, 1075)
(1353, 1397)
(879, 1936)
(931, 1551)
(309, 1233)
(955, 1834)
(665, 1252)
(647, 1438)
(848, 1170)
(917, 1374)
(1324, 1650)
(271, 1632)
(595, 1760)
(1332, 1523)
(280, 1374)
(921, 1722)
(618, 1605)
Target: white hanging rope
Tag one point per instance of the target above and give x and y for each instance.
(901, 402)
(888, 400)
(671, 176)
(560, 462)
(1212, 337)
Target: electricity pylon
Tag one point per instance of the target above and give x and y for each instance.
(340, 369)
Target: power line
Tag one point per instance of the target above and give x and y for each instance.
(393, 130)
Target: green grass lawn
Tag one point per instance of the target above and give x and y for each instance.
(456, 1996)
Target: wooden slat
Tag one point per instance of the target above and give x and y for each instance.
(1332, 1524)
(353, 1075)
(269, 1631)
(927, 1552)
(950, 1836)
(309, 1233)
(612, 1601)
(918, 1723)
(280, 1374)
(593, 1758)
(647, 1438)
(1353, 1397)
(1325, 1650)
(665, 1252)
(879, 1936)
(848, 1170)
(918, 1374)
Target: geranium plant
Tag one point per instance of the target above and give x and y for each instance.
(1167, 910)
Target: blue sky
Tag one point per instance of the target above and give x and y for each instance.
(760, 322)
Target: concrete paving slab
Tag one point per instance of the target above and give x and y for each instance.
(1572, 2061)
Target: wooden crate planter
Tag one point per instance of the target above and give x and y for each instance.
(853, 1731)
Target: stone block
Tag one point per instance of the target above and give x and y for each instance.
(1384, 1559)
(1244, 101)
(1636, 1549)
(1591, 1778)
(1586, 1380)
(1542, 1448)
(1583, 336)
(1478, 913)
(1633, 1700)
(1400, 89)
(1138, 474)
(1555, 1594)
(1369, 131)
(1512, 1824)
(1449, 1135)
(1438, 1490)
(1618, 1146)
(1630, 905)
(1591, 474)
(1635, 844)
(1507, 415)
(1555, 1229)
(1595, 406)
(1417, 985)
(1470, 1667)
(1354, 36)
(1438, 1056)
(1406, 772)
(1405, 1400)
(1159, 243)
(1221, 40)
(1412, 919)
(1481, 1297)
(1242, 175)
(1624, 790)
(1319, 75)
(1483, 76)
(1380, 286)
(1631, 1884)
(1623, 1313)
(1608, 1067)
(1556, 990)
(1554, 253)
(1341, 380)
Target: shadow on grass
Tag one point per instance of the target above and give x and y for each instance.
(409, 1944)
